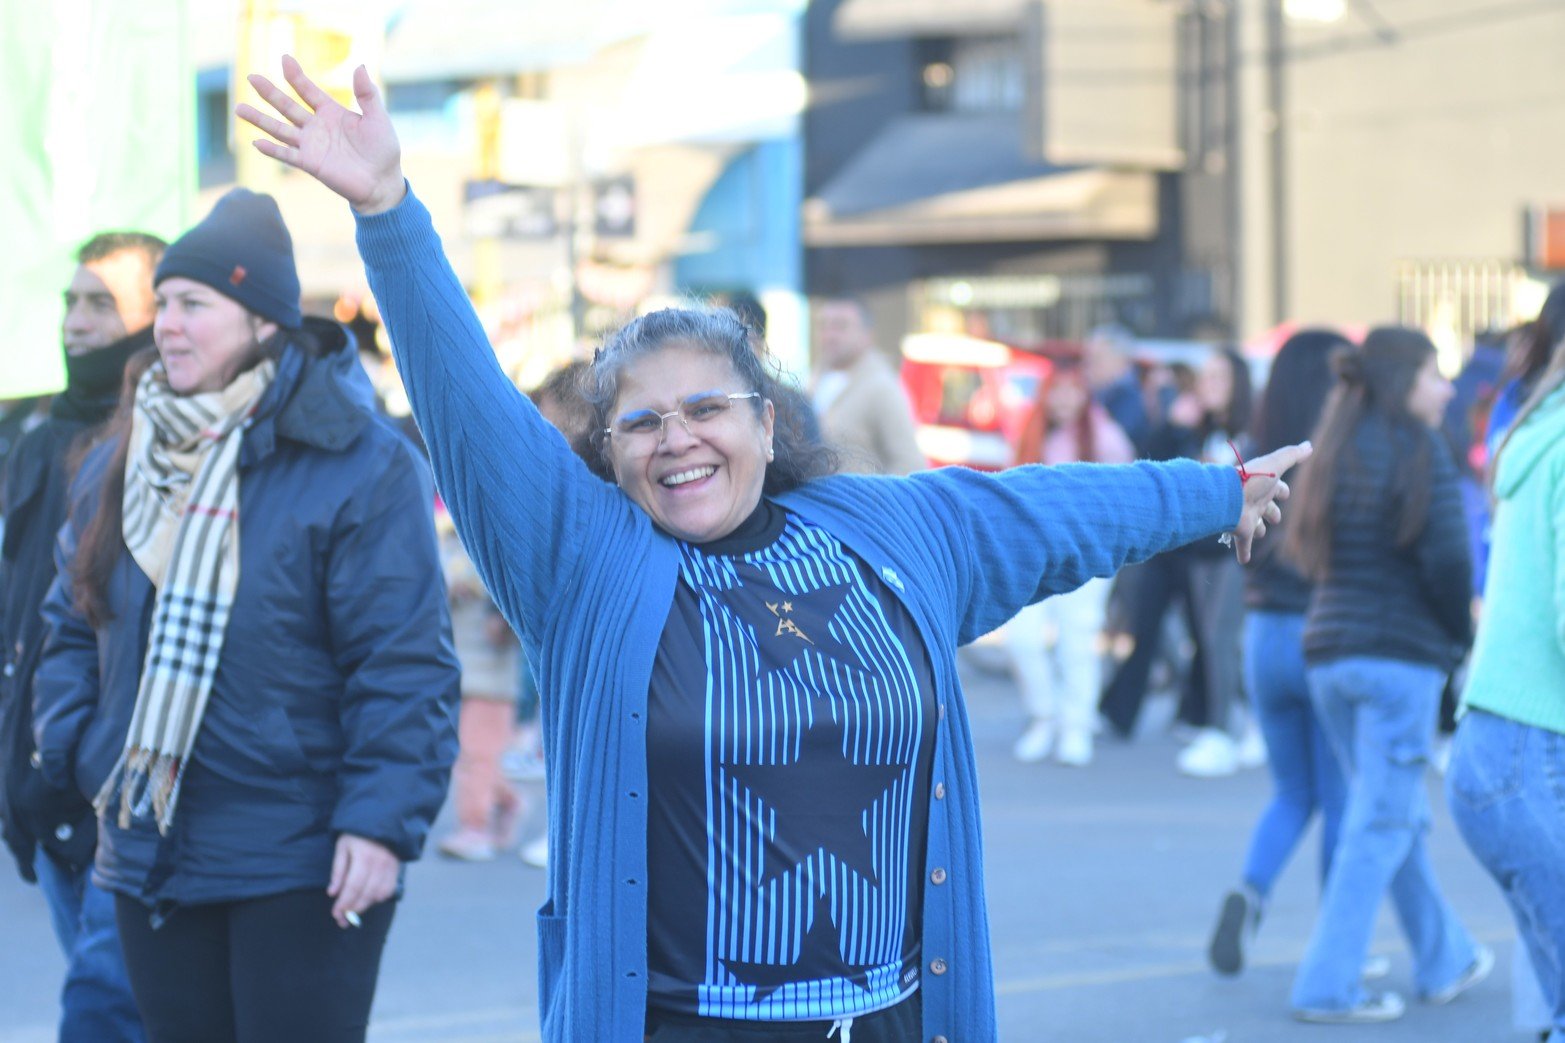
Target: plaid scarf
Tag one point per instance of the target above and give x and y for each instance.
(181, 514)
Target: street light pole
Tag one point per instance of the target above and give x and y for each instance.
(1277, 101)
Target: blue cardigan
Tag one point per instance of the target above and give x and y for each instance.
(587, 580)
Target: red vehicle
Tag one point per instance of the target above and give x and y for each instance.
(971, 396)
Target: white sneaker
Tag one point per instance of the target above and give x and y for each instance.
(1252, 746)
(1075, 749)
(1477, 971)
(1213, 754)
(536, 853)
(1036, 742)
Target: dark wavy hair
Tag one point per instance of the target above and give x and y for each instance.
(797, 458)
(1374, 379)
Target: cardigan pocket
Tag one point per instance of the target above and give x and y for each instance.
(551, 960)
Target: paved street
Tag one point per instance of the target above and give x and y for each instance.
(1102, 886)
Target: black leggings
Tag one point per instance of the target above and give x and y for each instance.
(261, 970)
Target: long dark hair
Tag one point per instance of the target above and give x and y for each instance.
(1547, 380)
(1373, 380)
(718, 331)
(101, 543)
(1241, 394)
(1533, 343)
(1296, 390)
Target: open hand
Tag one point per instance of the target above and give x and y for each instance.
(355, 154)
(1263, 492)
(363, 873)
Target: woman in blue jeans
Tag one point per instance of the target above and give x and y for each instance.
(1509, 755)
(1305, 775)
(1380, 530)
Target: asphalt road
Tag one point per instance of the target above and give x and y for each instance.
(1102, 886)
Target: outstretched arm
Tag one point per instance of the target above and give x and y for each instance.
(520, 498)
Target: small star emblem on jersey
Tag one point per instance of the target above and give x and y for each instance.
(787, 627)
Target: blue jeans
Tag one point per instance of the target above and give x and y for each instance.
(1506, 786)
(1380, 716)
(1305, 775)
(96, 1005)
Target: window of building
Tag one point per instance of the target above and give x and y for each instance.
(978, 74)
(214, 151)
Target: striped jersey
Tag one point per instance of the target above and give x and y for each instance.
(789, 744)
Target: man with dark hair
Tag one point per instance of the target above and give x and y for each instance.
(109, 308)
(863, 411)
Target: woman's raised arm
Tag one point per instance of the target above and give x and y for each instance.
(524, 504)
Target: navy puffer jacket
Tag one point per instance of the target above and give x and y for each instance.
(334, 706)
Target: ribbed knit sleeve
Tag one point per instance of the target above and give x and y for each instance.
(1023, 534)
(523, 503)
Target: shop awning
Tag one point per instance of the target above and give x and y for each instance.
(958, 178)
(892, 19)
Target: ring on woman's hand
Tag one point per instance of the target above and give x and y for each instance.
(1226, 539)
(353, 919)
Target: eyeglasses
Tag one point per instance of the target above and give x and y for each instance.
(644, 428)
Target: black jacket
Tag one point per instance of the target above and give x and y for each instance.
(36, 478)
(1411, 603)
(334, 705)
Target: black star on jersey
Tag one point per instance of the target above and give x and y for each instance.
(788, 625)
(819, 800)
(820, 950)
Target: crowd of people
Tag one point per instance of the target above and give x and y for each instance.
(248, 645)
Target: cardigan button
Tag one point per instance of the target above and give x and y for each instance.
(937, 966)
(36, 760)
(942, 711)
(940, 1039)
(10, 669)
(63, 832)
(938, 876)
(940, 791)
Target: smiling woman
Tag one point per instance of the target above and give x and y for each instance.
(698, 470)
(250, 634)
(763, 800)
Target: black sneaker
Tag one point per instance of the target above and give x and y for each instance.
(1237, 919)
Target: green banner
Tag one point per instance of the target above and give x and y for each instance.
(99, 132)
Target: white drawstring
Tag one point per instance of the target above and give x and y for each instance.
(844, 1026)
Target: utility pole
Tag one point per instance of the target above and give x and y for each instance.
(1277, 103)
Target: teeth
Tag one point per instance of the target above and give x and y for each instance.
(693, 475)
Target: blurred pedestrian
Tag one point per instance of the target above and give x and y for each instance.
(52, 830)
(249, 660)
(1201, 423)
(1115, 383)
(488, 809)
(1503, 782)
(1060, 677)
(764, 809)
(1379, 528)
(1306, 778)
(863, 410)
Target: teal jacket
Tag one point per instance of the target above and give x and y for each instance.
(588, 582)
(1518, 668)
